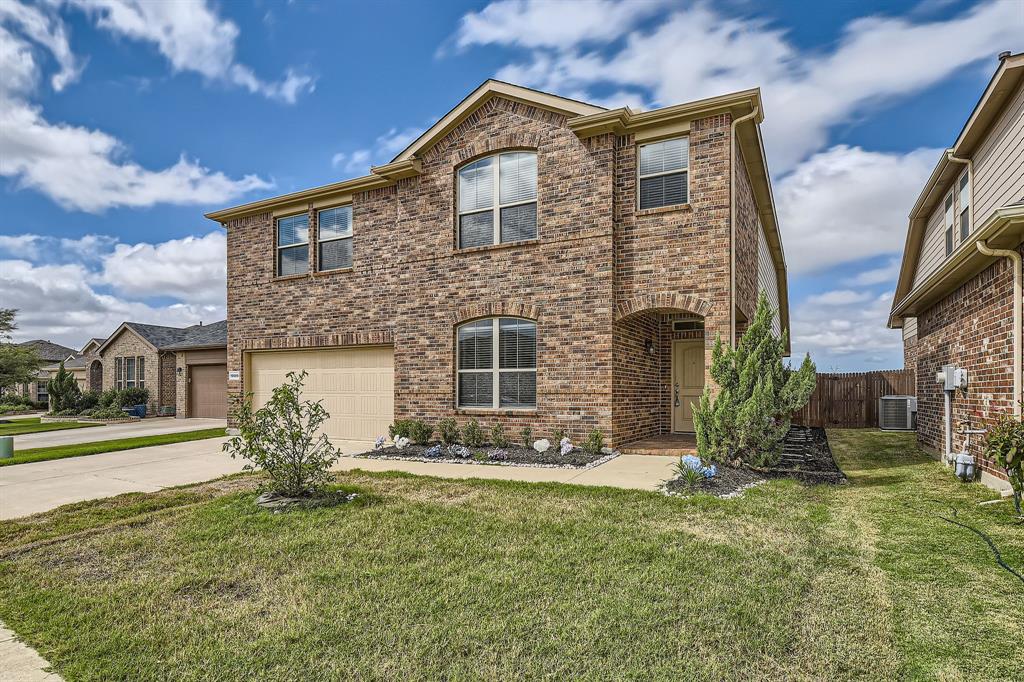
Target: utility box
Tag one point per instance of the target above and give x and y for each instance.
(952, 377)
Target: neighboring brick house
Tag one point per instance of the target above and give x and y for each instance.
(183, 367)
(955, 295)
(529, 260)
(51, 354)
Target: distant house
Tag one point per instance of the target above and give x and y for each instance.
(955, 296)
(51, 355)
(184, 368)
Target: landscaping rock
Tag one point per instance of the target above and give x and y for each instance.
(511, 455)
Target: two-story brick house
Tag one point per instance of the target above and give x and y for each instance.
(958, 298)
(529, 260)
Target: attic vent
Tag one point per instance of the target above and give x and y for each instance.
(688, 326)
(897, 412)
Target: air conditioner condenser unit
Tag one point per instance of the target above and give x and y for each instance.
(897, 413)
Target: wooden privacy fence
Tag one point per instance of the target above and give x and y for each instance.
(851, 400)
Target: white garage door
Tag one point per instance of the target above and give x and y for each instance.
(356, 385)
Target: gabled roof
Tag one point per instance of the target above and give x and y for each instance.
(50, 351)
(93, 344)
(158, 337)
(1002, 85)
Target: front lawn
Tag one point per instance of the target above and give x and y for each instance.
(97, 447)
(436, 579)
(22, 426)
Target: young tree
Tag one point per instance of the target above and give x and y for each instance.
(63, 390)
(18, 364)
(747, 420)
(281, 439)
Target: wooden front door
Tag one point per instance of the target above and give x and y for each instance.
(687, 382)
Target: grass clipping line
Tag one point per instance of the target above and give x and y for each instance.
(102, 446)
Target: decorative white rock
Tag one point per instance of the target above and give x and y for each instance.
(541, 445)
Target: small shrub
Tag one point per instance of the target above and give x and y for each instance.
(420, 431)
(281, 439)
(526, 436)
(110, 397)
(88, 400)
(498, 437)
(109, 412)
(691, 470)
(134, 396)
(63, 391)
(448, 429)
(399, 428)
(594, 442)
(472, 434)
(558, 436)
(1005, 445)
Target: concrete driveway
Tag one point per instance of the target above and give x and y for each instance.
(156, 426)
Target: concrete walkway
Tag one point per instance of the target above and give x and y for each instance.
(32, 488)
(20, 663)
(156, 426)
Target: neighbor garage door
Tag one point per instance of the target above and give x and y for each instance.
(208, 391)
(356, 385)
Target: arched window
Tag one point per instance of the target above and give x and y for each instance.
(497, 363)
(497, 199)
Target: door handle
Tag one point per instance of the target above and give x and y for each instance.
(676, 394)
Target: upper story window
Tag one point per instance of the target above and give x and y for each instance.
(497, 199)
(497, 363)
(965, 206)
(334, 238)
(293, 245)
(948, 218)
(663, 173)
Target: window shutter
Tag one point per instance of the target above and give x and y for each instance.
(335, 222)
(476, 186)
(517, 177)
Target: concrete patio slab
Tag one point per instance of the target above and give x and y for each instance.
(156, 426)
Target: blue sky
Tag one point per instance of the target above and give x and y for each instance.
(122, 122)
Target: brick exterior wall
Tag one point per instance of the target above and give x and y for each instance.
(971, 328)
(168, 381)
(910, 352)
(597, 260)
(747, 226)
(129, 344)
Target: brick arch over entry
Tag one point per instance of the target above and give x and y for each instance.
(687, 302)
(491, 145)
(495, 309)
(96, 376)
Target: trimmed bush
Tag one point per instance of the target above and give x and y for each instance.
(498, 437)
(594, 443)
(448, 429)
(472, 434)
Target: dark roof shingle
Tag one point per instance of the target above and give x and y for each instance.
(49, 351)
(180, 338)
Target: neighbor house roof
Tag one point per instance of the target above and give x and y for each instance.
(213, 335)
(966, 260)
(50, 351)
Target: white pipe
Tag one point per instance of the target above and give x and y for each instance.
(949, 425)
(1018, 291)
(732, 221)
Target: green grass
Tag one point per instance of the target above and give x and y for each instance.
(79, 449)
(23, 426)
(438, 579)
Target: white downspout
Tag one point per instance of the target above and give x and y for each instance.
(949, 426)
(732, 222)
(1018, 290)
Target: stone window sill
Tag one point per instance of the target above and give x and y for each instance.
(335, 271)
(491, 411)
(494, 247)
(662, 209)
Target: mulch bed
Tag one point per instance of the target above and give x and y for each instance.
(512, 455)
(806, 457)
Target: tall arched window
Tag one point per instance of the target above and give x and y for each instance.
(497, 363)
(498, 199)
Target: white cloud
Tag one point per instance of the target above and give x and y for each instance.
(699, 52)
(192, 269)
(21, 245)
(884, 275)
(69, 303)
(841, 327)
(846, 204)
(384, 149)
(45, 30)
(551, 23)
(192, 37)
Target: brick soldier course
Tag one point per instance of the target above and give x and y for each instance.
(602, 280)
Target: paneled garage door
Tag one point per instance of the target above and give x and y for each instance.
(356, 385)
(208, 391)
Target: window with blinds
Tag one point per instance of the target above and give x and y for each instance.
(119, 373)
(497, 364)
(663, 173)
(140, 370)
(293, 245)
(965, 207)
(948, 217)
(129, 372)
(334, 238)
(497, 200)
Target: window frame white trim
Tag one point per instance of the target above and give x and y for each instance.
(278, 248)
(963, 186)
(496, 204)
(949, 223)
(639, 177)
(129, 383)
(319, 241)
(495, 369)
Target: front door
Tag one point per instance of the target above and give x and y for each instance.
(687, 382)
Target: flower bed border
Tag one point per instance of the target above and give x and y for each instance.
(451, 460)
(86, 420)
